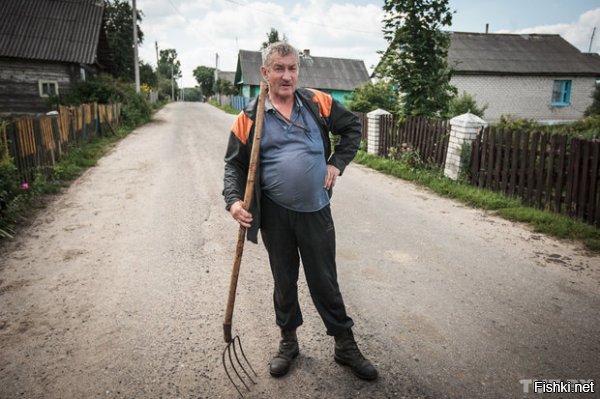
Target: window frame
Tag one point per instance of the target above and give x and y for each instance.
(565, 93)
(43, 82)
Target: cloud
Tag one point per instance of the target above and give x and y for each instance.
(577, 33)
(199, 30)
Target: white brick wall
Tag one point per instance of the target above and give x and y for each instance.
(463, 129)
(373, 136)
(525, 96)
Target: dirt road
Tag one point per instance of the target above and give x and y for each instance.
(118, 288)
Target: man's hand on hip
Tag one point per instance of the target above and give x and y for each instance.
(331, 176)
(242, 216)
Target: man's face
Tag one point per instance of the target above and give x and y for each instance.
(282, 76)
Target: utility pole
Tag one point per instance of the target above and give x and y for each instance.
(156, 45)
(136, 65)
(172, 85)
(592, 40)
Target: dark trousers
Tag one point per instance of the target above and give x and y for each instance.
(289, 236)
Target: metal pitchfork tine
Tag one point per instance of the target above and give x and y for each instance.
(227, 351)
(231, 342)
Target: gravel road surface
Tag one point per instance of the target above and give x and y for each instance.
(118, 288)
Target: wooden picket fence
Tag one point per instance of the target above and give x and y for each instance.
(36, 143)
(364, 123)
(427, 137)
(551, 172)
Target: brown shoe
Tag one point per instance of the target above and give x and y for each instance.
(288, 351)
(348, 354)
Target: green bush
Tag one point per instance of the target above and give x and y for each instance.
(371, 96)
(588, 127)
(512, 122)
(465, 103)
(105, 89)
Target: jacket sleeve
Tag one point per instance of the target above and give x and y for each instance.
(237, 161)
(345, 124)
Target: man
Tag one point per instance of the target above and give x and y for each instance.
(291, 200)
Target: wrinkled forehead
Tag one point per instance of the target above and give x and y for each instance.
(288, 60)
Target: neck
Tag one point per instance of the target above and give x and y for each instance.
(283, 104)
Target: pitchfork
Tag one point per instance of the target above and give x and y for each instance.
(235, 343)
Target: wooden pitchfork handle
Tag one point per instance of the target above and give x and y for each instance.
(254, 155)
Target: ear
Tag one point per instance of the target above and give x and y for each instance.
(263, 72)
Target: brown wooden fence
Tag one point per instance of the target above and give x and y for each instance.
(36, 143)
(551, 172)
(428, 137)
(364, 123)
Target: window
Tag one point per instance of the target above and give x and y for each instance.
(561, 93)
(48, 88)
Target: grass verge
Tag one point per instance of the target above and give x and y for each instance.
(549, 223)
(225, 108)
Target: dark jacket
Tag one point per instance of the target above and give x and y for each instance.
(330, 115)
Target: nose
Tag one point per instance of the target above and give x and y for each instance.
(287, 74)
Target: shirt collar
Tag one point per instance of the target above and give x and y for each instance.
(269, 106)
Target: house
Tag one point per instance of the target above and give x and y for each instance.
(533, 76)
(46, 47)
(336, 76)
(228, 76)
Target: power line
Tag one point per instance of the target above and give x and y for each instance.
(306, 22)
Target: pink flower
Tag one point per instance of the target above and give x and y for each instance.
(25, 186)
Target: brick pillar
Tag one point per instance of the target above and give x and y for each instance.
(463, 129)
(373, 137)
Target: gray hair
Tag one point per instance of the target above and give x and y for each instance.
(280, 48)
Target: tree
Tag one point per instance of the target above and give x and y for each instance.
(226, 87)
(594, 108)
(148, 75)
(192, 94)
(463, 104)
(416, 59)
(272, 37)
(118, 16)
(168, 59)
(369, 97)
(205, 76)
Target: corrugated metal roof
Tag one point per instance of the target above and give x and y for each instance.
(54, 30)
(324, 73)
(526, 54)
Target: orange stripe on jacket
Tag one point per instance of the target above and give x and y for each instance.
(324, 101)
(241, 127)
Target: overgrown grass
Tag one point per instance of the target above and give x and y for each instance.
(549, 223)
(226, 108)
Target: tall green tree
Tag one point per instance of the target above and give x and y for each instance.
(205, 76)
(168, 58)
(272, 37)
(118, 21)
(416, 59)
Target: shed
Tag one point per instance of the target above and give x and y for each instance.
(46, 47)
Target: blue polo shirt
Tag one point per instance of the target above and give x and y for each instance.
(292, 160)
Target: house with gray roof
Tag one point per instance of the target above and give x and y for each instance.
(46, 47)
(533, 76)
(336, 76)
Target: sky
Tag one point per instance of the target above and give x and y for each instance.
(201, 29)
